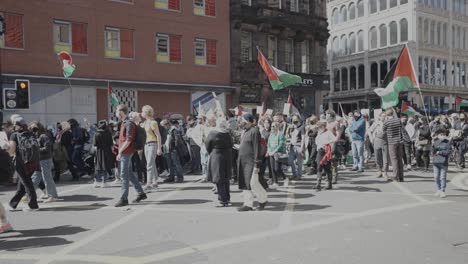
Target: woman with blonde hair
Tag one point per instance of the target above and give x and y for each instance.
(153, 146)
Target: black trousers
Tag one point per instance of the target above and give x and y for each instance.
(327, 168)
(235, 154)
(196, 158)
(25, 186)
(275, 169)
(265, 163)
(422, 158)
(224, 194)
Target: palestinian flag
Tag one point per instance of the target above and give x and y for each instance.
(290, 108)
(400, 78)
(113, 97)
(407, 110)
(68, 66)
(278, 78)
(461, 102)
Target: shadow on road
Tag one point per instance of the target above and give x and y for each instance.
(38, 238)
(86, 207)
(84, 198)
(359, 189)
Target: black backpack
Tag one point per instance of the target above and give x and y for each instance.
(140, 138)
(28, 148)
(7, 167)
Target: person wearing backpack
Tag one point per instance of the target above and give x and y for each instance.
(78, 140)
(24, 146)
(173, 143)
(45, 172)
(104, 160)
(127, 138)
(441, 149)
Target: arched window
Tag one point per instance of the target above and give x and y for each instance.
(361, 76)
(374, 75)
(393, 33)
(403, 30)
(383, 71)
(343, 14)
(393, 3)
(437, 73)
(352, 78)
(344, 45)
(360, 8)
(336, 46)
(383, 35)
(373, 38)
(352, 43)
(444, 35)
(335, 16)
(360, 41)
(352, 11)
(421, 30)
(432, 33)
(383, 4)
(372, 6)
(336, 80)
(426, 31)
(438, 34)
(344, 79)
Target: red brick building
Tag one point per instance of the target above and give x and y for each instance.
(166, 53)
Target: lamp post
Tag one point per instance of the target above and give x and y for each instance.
(2, 33)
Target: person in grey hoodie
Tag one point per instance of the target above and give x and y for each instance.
(358, 132)
(441, 148)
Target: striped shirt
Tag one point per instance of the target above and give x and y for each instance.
(392, 128)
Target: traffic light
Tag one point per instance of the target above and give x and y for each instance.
(17, 98)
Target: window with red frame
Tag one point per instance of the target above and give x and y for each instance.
(70, 37)
(118, 43)
(13, 37)
(167, 4)
(168, 48)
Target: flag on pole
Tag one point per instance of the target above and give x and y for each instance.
(278, 78)
(407, 110)
(67, 64)
(290, 107)
(400, 78)
(461, 102)
(113, 97)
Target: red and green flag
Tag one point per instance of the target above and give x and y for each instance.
(112, 96)
(278, 78)
(400, 78)
(407, 110)
(461, 102)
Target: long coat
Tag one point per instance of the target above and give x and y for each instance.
(249, 156)
(219, 147)
(104, 156)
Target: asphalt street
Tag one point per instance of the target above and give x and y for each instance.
(364, 220)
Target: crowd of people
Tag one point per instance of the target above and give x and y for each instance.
(226, 149)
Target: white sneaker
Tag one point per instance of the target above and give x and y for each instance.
(44, 196)
(408, 167)
(96, 184)
(117, 182)
(442, 195)
(104, 185)
(286, 183)
(274, 186)
(51, 200)
(164, 173)
(437, 194)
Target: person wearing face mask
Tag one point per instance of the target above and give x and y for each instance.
(440, 150)
(45, 172)
(297, 147)
(358, 132)
(248, 163)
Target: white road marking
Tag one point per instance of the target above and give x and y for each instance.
(460, 181)
(409, 192)
(108, 228)
(74, 189)
(275, 232)
(86, 258)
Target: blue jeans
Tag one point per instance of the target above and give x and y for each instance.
(358, 154)
(440, 175)
(46, 175)
(204, 160)
(127, 174)
(295, 155)
(176, 167)
(102, 176)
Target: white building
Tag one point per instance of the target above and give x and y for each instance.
(368, 35)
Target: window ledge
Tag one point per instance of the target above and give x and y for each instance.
(123, 2)
(120, 58)
(8, 48)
